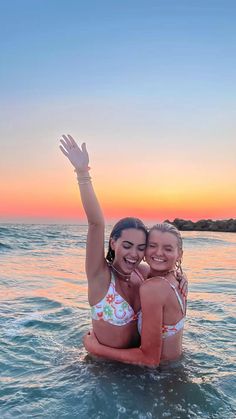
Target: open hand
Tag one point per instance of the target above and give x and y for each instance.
(78, 157)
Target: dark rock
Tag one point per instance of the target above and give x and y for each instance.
(205, 225)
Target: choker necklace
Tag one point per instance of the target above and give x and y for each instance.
(169, 272)
(172, 271)
(125, 277)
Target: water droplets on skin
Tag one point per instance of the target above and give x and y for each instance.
(44, 314)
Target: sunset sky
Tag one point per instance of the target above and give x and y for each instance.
(149, 85)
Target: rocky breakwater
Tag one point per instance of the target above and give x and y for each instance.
(205, 225)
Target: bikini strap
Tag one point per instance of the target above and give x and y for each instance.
(176, 293)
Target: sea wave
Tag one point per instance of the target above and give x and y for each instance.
(4, 246)
(207, 241)
(44, 314)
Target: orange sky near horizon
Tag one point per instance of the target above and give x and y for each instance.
(54, 196)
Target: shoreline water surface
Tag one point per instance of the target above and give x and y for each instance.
(45, 371)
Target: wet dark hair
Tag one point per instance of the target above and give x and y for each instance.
(124, 224)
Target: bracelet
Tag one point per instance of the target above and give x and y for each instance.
(84, 183)
(83, 176)
(83, 180)
(80, 171)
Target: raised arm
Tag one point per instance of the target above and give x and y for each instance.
(149, 353)
(79, 158)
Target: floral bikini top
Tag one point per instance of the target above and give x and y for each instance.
(168, 330)
(113, 308)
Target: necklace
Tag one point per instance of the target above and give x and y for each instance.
(169, 272)
(123, 276)
(172, 271)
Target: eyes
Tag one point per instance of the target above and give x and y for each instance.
(127, 246)
(140, 247)
(166, 248)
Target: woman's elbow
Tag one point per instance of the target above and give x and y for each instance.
(151, 363)
(151, 360)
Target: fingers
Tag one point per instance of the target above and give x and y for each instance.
(73, 142)
(83, 147)
(63, 151)
(69, 143)
(66, 140)
(65, 144)
(65, 148)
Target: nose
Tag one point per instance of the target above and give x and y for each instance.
(133, 252)
(159, 252)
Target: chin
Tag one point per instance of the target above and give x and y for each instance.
(128, 271)
(161, 268)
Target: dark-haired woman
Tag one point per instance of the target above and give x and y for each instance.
(114, 281)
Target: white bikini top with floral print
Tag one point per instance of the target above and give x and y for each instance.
(113, 308)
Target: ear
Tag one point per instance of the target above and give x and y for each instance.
(113, 244)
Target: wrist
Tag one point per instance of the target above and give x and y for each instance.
(82, 172)
(83, 176)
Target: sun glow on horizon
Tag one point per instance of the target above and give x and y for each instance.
(43, 198)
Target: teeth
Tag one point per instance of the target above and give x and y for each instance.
(159, 260)
(130, 261)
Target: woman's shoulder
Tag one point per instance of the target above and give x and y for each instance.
(155, 288)
(155, 281)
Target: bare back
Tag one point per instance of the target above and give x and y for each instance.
(160, 309)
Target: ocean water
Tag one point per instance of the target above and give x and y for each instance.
(46, 373)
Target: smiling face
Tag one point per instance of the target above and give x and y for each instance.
(129, 249)
(162, 251)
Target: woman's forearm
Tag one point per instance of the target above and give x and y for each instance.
(131, 356)
(89, 200)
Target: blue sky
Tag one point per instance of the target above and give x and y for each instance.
(126, 48)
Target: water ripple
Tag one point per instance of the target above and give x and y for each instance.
(44, 313)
